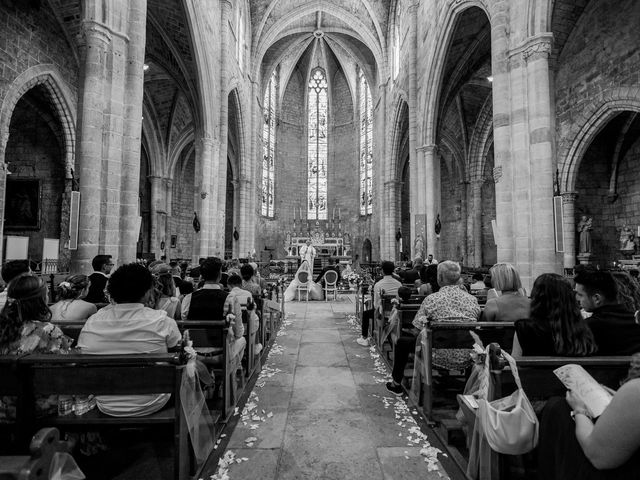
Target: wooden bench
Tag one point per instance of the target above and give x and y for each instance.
(36, 466)
(210, 340)
(12, 386)
(78, 374)
(454, 335)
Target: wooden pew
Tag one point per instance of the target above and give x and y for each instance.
(210, 340)
(540, 383)
(78, 374)
(11, 385)
(36, 466)
(454, 335)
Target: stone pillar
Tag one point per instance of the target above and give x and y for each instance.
(464, 234)
(476, 200)
(541, 147)
(203, 186)
(94, 52)
(416, 157)
(569, 228)
(132, 131)
(168, 186)
(430, 180)
(391, 220)
(221, 170)
(157, 196)
(502, 141)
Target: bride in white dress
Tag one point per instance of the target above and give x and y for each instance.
(315, 290)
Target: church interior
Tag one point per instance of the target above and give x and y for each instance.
(476, 131)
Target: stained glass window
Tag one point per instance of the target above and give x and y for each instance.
(317, 146)
(268, 145)
(366, 146)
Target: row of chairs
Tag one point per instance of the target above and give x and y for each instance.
(330, 286)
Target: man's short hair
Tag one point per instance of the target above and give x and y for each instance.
(13, 268)
(448, 273)
(246, 271)
(417, 263)
(129, 283)
(404, 293)
(598, 281)
(210, 269)
(234, 280)
(388, 267)
(99, 261)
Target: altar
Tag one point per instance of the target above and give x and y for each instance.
(325, 246)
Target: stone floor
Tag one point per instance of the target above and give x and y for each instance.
(320, 410)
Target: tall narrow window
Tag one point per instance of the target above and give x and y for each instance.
(317, 146)
(396, 48)
(240, 43)
(366, 146)
(268, 145)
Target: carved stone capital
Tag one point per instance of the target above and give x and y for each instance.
(569, 197)
(428, 149)
(538, 50)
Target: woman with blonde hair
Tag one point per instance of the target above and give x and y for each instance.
(70, 306)
(512, 304)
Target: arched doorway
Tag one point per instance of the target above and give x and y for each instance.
(37, 194)
(229, 213)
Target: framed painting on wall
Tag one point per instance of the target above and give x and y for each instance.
(22, 206)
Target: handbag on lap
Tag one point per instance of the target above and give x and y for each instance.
(509, 424)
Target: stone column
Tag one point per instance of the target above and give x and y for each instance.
(541, 147)
(132, 131)
(156, 200)
(203, 186)
(168, 186)
(476, 200)
(569, 228)
(391, 222)
(430, 181)
(95, 48)
(416, 157)
(221, 170)
(464, 234)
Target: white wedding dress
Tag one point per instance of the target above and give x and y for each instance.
(315, 290)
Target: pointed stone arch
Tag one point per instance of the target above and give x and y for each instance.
(62, 101)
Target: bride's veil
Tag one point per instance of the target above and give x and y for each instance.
(304, 267)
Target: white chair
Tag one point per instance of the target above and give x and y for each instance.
(303, 285)
(330, 284)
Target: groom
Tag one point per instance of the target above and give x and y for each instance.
(308, 253)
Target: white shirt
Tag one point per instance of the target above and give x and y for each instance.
(243, 297)
(129, 328)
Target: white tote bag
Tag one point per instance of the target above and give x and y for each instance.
(509, 424)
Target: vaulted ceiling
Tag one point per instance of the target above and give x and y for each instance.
(354, 30)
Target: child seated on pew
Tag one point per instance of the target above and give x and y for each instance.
(129, 327)
(25, 328)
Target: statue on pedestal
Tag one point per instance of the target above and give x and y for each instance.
(626, 238)
(584, 228)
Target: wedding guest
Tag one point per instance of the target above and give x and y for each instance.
(613, 325)
(586, 449)
(554, 325)
(390, 286)
(247, 272)
(166, 297)
(25, 328)
(478, 284)
(511, 305)
(70, 306)
(428, 279)
(102, 266)
(628, 290)
(128, 326)
(11, 270)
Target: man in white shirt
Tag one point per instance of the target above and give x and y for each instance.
(389, 285)
(129, 327)
(430, 260)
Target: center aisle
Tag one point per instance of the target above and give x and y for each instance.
(320, 410)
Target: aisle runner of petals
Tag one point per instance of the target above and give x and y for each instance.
(254, 417)
(403, 415)
(251, 415)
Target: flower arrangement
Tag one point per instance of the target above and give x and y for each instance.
(352, 277)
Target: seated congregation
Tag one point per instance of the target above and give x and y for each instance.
(420, 322)
(131, 343)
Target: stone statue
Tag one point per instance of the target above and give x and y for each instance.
(418, 246)
(626, 238)
(584, 228)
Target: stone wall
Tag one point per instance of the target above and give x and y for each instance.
(34, 153)
(489, 250)
(452, 234)
(181, 219)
